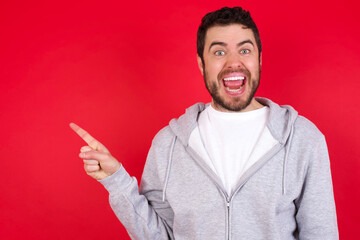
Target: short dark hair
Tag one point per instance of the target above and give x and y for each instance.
(222, 17)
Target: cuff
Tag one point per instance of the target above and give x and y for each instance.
(117, 181)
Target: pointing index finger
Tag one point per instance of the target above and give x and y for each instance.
(92, 142)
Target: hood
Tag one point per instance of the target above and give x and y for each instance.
(185, 124)
(281, 120)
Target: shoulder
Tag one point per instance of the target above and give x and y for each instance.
(163, 137)
(160, 147)
(306, 129)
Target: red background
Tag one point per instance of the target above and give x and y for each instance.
(123, 70)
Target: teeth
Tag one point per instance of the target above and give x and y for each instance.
(233, 90)
(234, 78)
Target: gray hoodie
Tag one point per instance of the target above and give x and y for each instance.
(287, 194)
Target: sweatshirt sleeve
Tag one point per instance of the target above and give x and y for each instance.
(144, 214)
(316, 215)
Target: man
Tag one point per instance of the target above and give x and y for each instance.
(238, 168)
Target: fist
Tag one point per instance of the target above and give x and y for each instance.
(98, 162)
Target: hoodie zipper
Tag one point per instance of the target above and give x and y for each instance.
(228, 219)
(227, 198)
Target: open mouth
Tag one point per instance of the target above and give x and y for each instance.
(234, 84)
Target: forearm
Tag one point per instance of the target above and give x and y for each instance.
(133, 209)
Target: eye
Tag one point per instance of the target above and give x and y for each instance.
(219, 53)
(245, 51)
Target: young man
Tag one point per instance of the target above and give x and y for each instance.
(238, 168)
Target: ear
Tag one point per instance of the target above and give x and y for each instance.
(200, 65)
(260, 60)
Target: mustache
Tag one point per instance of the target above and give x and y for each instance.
(234, 70)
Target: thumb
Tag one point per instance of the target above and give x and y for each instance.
(85, 149)
(91, 161)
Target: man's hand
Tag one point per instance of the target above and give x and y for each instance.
(98, 162)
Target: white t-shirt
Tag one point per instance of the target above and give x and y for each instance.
(230, 143)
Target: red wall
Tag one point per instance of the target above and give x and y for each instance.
(108, 66)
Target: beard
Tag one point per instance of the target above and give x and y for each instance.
(236, 104)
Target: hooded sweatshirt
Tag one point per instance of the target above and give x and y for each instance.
(286, 194)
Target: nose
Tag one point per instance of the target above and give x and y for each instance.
(234, 61)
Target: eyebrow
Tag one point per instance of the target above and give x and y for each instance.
(225, 44)
(243, 42)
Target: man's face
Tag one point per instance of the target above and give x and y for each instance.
(231, 67)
